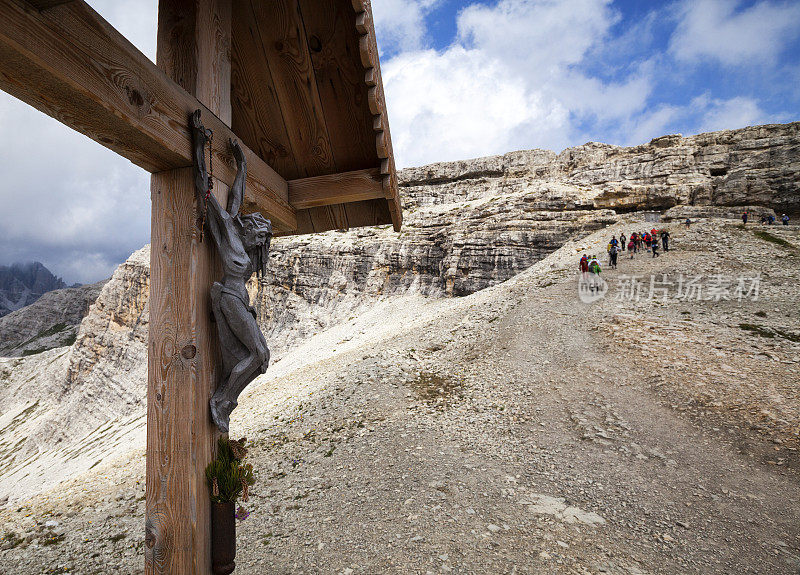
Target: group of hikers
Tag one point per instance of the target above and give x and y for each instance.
(637, 242)
(766, 219)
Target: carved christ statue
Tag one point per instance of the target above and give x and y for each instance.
(243, 245)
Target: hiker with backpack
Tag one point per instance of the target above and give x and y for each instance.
(583, 265)
(594, 266)
(622, 240)
(665, 240)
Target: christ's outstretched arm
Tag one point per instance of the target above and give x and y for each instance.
(236, 193)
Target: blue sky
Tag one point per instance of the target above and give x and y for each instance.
(462, 79)
(512, 74)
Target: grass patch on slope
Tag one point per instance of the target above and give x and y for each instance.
(770, 332)
(434, 389)
(768, 237)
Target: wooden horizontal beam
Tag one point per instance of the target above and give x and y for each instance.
(71, 64)
(336, 189)
(45, 4)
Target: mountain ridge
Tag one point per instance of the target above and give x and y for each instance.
(22, 283)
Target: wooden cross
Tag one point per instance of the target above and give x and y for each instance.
(298, 83)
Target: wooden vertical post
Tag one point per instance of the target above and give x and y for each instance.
(194, 50)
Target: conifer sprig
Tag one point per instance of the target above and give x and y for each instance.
(226, 475)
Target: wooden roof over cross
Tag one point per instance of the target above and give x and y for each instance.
(306, 99)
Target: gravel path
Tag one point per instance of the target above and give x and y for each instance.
(517, 430)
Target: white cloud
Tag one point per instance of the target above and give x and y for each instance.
(67, 201)
(515, 76)
(511, 80)
(728, 114)
(702, 114)
(400, 24)
(64, 196)
(460, 104)
(537, 37)
(715, 30)
(137, 21)
(645, 127)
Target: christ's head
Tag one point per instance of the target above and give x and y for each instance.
(256, 239)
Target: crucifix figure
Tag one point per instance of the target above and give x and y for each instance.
(242, 242)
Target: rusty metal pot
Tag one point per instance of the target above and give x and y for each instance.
(223, 537)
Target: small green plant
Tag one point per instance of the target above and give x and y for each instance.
(36, 351)
(53, 539)
(12, 538)
(768, 237)
(227, 477)
(757, 329)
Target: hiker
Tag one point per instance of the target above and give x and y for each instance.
(635, 240)
(622, 240)
(647, 240)
(594, 266)
(764, 219)
(631, 247)
(771, 220)
(744, 217)
(612, 256)
(665, 240)
(785, 219)
(688, 222)
(655, 248)
(584, 266)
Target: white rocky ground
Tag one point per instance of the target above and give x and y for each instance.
(515, 430)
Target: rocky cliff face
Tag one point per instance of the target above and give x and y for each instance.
(757, 165)
(51, 321)
(22, 284)
(468, 225)
(62, 410)
(474, 223)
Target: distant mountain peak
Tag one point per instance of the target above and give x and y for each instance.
(22, 283)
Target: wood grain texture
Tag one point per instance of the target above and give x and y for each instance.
(308, 97)
(285, 52)
(257, 117)
(71, 64)
(367, 212)
(180, 383)
(183, 352)
(336, 189)
(45, 4)
(334, 51)
(213, 33)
